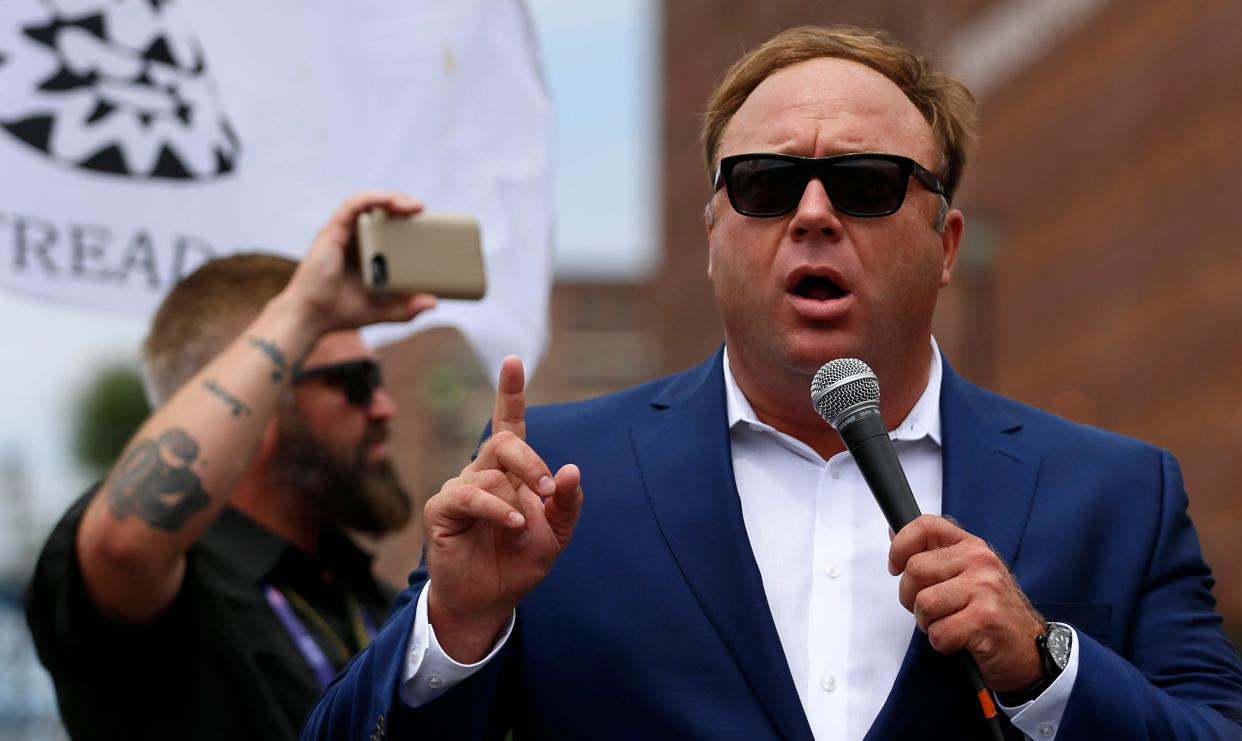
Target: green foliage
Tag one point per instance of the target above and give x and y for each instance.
(109, 410)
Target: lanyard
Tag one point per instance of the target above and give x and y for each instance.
(306, 644)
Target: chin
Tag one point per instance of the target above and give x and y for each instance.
(810, 349)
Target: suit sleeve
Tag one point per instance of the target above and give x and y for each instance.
(364, 701)
(1183, 679)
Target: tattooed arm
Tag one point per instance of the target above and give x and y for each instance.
(179, 469)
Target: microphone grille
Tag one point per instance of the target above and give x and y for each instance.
(843, 384)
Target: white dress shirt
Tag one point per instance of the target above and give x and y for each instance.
(838, 616)
(821, 544)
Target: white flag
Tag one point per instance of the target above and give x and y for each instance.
(140, 137)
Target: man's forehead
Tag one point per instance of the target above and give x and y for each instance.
(338, 347)
(828, 106)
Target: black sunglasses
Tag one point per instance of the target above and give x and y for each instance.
(359, 378)
(859, 184)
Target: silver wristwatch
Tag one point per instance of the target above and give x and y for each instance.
(1059, 639)
(1054, 646)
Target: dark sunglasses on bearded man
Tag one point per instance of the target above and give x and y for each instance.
(866, 184)
(359, 378)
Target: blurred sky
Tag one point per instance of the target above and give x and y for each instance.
(601, 63)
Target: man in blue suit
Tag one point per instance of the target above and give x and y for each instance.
(729, 575)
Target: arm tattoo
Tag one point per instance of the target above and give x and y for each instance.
(239, 407)
(154, 481)
(272, 352)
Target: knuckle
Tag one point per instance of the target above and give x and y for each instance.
(918, 564)
(982, 558)
(985, 612)
(907, 598)
(535, 470)
(490, 478)
(924, 603)
(993, 581)
(437, 500)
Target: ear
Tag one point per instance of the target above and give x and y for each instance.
(950, 241)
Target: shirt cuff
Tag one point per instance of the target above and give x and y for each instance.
(1040, 718)
(429, 672)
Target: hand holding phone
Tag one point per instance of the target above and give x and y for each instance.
(430, 252)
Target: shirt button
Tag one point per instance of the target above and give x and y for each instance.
(434, 681)
(830, 683)
(1047, 730)
(835, 470)
(832, 570)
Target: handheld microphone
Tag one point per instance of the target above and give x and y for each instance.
(846, 393)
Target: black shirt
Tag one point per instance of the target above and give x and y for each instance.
(216, 664)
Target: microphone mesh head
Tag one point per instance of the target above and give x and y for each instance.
(843, 384)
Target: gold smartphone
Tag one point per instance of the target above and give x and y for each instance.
(432, 252)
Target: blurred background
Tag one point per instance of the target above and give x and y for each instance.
(1100, 276)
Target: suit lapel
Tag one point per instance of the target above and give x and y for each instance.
(989, 486)
(685, 463)
(989, 473)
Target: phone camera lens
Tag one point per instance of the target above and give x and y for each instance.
(379, 271)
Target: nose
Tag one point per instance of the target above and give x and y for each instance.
(382, 407)
(815, 214)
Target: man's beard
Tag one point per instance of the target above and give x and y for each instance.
(349, 491)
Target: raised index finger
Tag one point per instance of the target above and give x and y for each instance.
(510, 412)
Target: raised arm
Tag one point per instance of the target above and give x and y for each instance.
(179, 469)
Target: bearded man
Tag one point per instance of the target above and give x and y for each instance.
(207, 588)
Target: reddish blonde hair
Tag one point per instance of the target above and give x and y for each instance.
(945, 102)
(205, 312)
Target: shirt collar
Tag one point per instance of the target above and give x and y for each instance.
(922, 421)
(244, 545)
(255, 552)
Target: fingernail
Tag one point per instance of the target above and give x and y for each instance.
(516, 519)
(523, 539)
(547, 487)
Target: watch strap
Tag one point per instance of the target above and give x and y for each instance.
(1050, 670)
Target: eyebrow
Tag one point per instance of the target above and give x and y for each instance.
(302, 372)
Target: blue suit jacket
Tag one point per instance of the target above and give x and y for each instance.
(653, 623)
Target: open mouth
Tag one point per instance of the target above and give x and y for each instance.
(818, 288)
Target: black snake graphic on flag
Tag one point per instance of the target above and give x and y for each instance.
(112, 87)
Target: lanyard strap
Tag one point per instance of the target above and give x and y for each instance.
(301, 637)
(364, 629)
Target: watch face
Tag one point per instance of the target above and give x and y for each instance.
(1059, 639)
